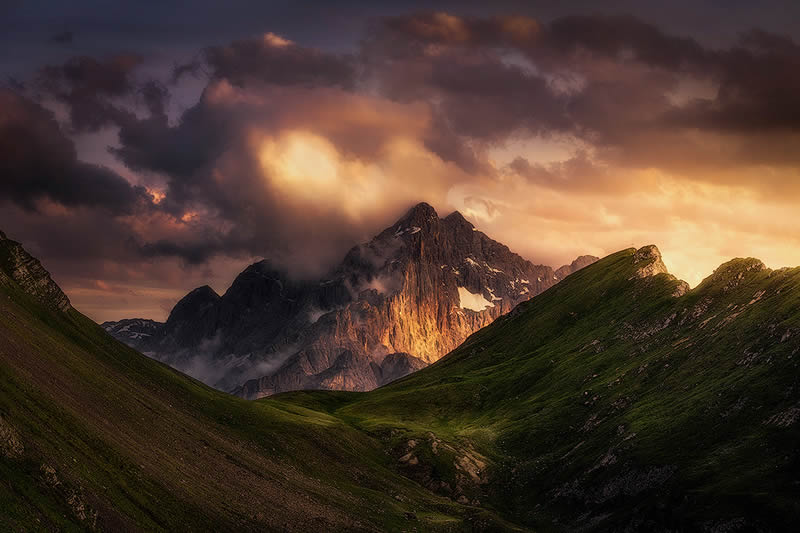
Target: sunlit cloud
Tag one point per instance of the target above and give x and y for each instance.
(580, 135)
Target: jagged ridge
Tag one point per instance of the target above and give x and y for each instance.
(414, 292)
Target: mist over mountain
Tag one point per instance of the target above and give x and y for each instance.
(393, 305)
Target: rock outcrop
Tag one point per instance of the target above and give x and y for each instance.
(19, 266)
(649, 262)
(648, 259)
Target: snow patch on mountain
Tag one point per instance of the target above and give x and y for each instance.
(411, 231)
(472, 301)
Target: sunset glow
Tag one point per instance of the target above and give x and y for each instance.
(559, 137)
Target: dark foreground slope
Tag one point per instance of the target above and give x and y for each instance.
(94, 435)
(614, 401)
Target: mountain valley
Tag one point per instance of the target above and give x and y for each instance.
(616, 400)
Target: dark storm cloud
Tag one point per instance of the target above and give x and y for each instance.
(155, 97)
(273, 59)
(759, 80)
(38, 162)
(605, 35)
(205, 130)
(474, 96)
(614, 81)
(14, 84)
(88, 86)
(214, 132)
(193, 253)
(191, 69)
(210, 167)
(151, 144)
(613, 36)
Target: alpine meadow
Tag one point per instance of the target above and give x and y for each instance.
(400, 266)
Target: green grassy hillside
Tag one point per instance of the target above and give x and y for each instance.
(94, 435)
(613, 402)
(616, 400)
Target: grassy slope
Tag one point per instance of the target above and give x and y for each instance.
(603, 403)
(114, 440)
(606, 402)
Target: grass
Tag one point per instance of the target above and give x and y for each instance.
(604, 403)
(147, 448)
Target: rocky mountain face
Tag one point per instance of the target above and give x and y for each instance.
(19, 266)
(393, 305)
(134, 332)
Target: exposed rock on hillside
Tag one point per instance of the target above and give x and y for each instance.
(28, 273)
(649, 262)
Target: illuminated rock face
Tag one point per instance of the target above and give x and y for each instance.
(394, 304)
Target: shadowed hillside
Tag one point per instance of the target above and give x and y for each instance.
(616, 400)
(94, 435)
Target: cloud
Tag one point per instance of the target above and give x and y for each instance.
(758, 79)
(39, 162)
(271, 167)
(274, 59)
(578, 134)
(622, 37)
(613, 81)
(88, 87)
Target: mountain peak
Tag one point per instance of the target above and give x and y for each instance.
(732, 272)
(198, 300)
(648, 259)
(649, 263)
(579, 263)
(197, 297)
(205, 291)
(268, 268)
(420, 213)
(457, 218)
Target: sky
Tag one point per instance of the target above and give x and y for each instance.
(149, 148)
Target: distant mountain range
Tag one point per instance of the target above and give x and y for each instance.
(617, 400)
(393, 306)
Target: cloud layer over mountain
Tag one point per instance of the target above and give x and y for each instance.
(558, 136)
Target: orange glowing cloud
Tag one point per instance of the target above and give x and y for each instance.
(583, 135)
